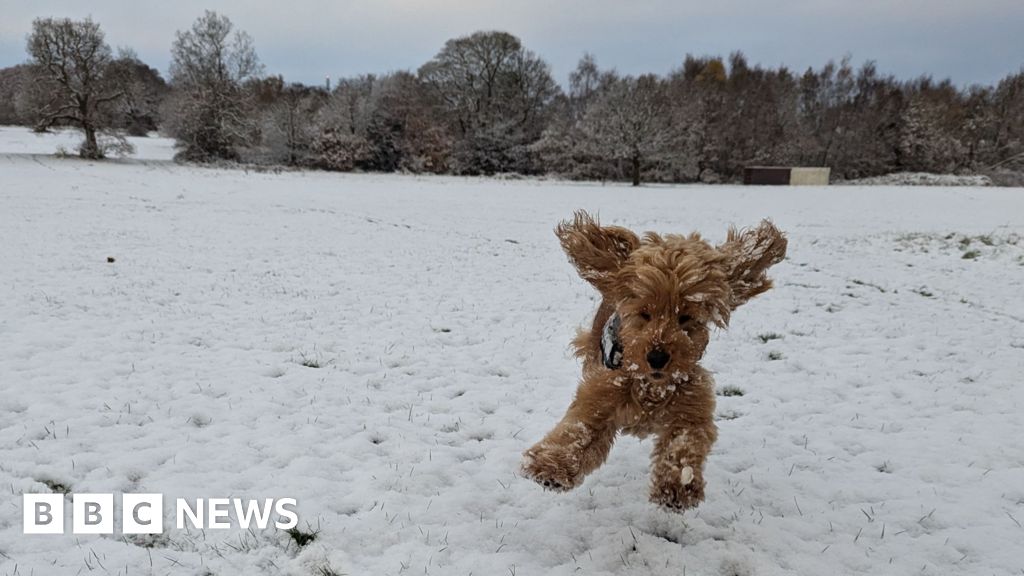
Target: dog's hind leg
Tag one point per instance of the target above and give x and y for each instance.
(578, 444)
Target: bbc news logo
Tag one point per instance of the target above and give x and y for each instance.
(143, 513)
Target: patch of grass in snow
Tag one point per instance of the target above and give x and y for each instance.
(768, 337)
(728, 415)
(302, 537)
(314, 360)
(327, 570)
(923, 292)
(735, 567)
(863, 283)
(248, 541)
(775, 355)
(970, 247)
(481, 436)
(666, 535)
(56, 486)
(200, 420)
(148, 540)
(730, 391)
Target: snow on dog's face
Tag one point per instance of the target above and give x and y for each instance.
(667, 291)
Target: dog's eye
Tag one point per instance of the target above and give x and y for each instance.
(646, 316)
(683, 319)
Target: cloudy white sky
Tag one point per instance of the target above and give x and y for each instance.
(970, 41)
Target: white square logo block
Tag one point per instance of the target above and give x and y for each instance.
(43, 513)
(142, 513)
(92, 514)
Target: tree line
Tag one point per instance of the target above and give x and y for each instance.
(485, 104)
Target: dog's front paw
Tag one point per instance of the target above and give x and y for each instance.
(553, 467)
(679, 494)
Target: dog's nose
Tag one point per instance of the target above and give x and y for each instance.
(657, 358)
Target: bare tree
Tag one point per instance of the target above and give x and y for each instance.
(289, 123)
(403, 131)
(495, 95)
(1008, 104)
(138, 112)
(75, 61)
(210, 108)
(341, 125)
(25, 89)
(698, 95)
(565, 147)
(584, 83)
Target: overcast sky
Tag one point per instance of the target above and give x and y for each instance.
(970, 41)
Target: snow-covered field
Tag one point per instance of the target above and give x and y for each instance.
(874, 423)
(17, 140)
(921, 179)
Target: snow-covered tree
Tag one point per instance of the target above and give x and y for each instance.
(1008, 104)
(928, 131)
(403, 129)
(698, 95)
(211, 112)
(289, 124)
(564, 147)
(25, 89)
(143, 89)
(340, 129)
(494, 94)
(74, 62)
(629, 122)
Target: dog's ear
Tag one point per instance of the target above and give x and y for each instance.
(596, 251)
(750, 253)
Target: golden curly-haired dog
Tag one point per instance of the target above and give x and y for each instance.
(660, 297)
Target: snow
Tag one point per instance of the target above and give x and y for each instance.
(18, 140)
(878, 430)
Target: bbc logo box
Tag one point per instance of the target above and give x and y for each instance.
(43, 513)
(93, 514)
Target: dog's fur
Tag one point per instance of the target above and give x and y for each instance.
(667, 292)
